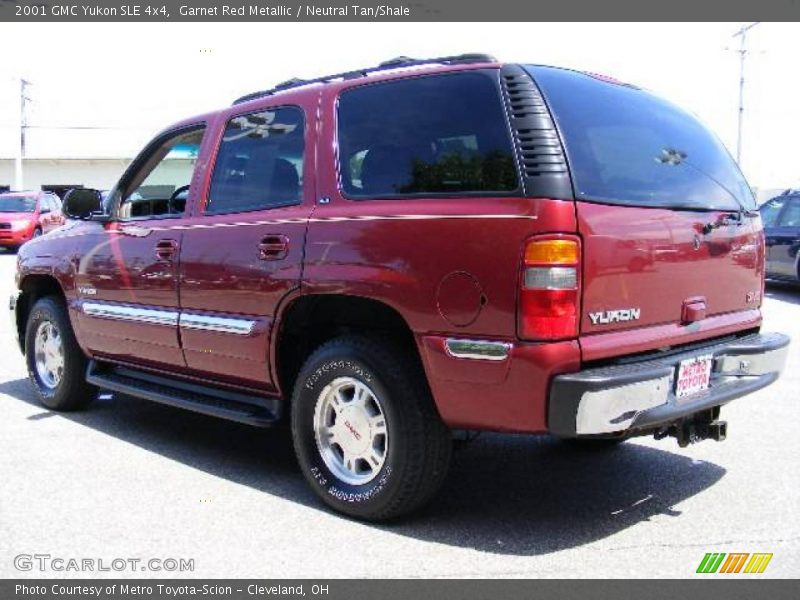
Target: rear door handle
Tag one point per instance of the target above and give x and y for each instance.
(273, 247)
(166, 250)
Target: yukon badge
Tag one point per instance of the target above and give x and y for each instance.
(614, 316)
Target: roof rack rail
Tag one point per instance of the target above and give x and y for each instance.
(394, 63)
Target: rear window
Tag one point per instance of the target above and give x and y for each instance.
(432, 135)
(627, 146)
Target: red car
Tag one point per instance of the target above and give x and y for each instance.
(385, 256)
(26, 215)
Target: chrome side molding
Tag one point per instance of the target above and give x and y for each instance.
(121, 312)
(477, 349)
(169, 318)
(219, 324)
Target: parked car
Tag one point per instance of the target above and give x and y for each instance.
(781, 218)
(385, 256)
(26, 215)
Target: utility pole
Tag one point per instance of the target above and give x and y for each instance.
(19, 180)
(742, 35)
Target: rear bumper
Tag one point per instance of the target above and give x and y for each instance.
(639, 396)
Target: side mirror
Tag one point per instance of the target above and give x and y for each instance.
(82, 203)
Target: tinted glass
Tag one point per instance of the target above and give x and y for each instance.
(441, 134)
(155, 189)
(770, 211)
(627, 146)
(791, 216)
(260, 162)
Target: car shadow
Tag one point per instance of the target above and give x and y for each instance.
(783, 291)
(505, 494)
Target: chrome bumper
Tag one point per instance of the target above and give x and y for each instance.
(635, 396)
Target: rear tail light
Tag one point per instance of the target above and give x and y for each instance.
(550, 288)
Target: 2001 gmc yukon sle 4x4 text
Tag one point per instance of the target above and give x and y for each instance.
(387, 255)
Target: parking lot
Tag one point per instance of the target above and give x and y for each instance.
(130, 478)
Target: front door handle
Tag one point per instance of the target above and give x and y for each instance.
(166, 250)
(273, 247)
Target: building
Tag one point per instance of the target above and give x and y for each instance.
(59, 174)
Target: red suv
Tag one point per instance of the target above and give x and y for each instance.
(26, 215)
(388, 255)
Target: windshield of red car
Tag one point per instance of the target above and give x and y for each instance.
(14, 203)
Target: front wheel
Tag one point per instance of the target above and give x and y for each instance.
(56, 364)
(366, 433)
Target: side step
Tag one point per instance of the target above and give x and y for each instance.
(253, 410)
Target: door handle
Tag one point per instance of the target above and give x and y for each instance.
(273, 247)
(166, 250)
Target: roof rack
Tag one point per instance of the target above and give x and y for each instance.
(394, 63)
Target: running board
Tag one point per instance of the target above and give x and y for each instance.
(258, 411)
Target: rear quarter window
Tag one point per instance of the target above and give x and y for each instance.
(627, 146)
(432, 135)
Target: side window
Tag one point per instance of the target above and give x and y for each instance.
(770, 211)
(441, 134)
(161, 185)
(791, 216)
(260, 162)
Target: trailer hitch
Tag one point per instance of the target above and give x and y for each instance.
(696, 428)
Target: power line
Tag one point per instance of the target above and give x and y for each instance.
(742, 35)
(23, 118)
(83, 127)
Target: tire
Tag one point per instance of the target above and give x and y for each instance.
(60, 384)
(375, 382)
(36, 233)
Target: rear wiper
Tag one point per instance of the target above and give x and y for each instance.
(725, 219)
(671, 156)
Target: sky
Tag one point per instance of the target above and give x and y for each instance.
(126, 81)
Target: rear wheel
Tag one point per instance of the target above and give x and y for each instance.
(366, 432)
(36, 233)
(56, 364)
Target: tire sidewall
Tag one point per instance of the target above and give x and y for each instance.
(330, 364)
(46, 310)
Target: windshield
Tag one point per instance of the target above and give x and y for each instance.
(627, 146)
(12, 203)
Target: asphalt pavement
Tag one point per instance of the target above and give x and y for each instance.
(128, 479)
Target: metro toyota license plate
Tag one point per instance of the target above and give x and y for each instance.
(694, 375)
